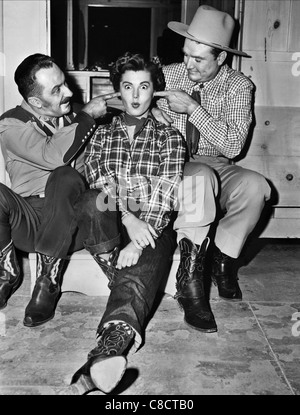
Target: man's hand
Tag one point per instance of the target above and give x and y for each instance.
(179, 101)
(161, 116)
(97, 107)
(128, 256)
(139, 232)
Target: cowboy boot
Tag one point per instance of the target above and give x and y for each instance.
(190, 287)
(106, 363)
(10, 275)
(108, 266)
(46, 292)
(224, 277)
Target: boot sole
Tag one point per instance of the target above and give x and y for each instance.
(230, 299)
(212, 330)
(106, 373)
(209, 330)
(39, 323)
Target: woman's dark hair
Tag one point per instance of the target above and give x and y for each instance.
(137, 62)
(26, 71)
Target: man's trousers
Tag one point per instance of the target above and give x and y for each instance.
(48, 224)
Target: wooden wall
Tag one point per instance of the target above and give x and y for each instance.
(23, 31)
(271, 36)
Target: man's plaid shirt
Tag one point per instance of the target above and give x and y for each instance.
(225, 114)
(142, 176)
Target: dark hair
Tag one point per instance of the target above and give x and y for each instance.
(137, 62)
(215, 52)
(26, 71)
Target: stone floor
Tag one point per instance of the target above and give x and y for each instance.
(255, 351)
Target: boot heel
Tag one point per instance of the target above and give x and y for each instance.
(224, 276)
(83, 385)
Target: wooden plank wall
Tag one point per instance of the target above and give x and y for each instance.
(271, 35)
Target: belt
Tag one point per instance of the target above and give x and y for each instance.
(41, 195)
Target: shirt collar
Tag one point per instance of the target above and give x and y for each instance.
(40, 117)
(217, 80)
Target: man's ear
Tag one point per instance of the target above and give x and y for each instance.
(222, 57)
(35, 102)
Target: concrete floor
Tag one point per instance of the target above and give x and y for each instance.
(255, 351)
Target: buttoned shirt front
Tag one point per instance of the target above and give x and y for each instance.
(142, 176)
(225, 114)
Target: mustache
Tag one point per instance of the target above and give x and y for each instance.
(65, 101)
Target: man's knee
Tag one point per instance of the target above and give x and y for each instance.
(200, 175)
(198, 169)
(67, 179)
(255, 185)
(65, 173)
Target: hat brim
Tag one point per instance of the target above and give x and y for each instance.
(181, 29)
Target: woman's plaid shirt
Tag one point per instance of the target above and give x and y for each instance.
(142, 176)
(225, 114)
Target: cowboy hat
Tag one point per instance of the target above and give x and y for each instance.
(210, 27)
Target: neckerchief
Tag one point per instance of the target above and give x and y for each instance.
(138, 122)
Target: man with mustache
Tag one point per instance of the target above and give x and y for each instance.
(42, 141)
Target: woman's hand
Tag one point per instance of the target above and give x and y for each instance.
(140, 233)
(128, 256)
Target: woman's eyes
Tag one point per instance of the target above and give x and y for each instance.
(128, 87)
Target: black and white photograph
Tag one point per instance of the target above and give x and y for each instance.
(149, 201)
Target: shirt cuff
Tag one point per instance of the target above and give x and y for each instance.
(124, 214)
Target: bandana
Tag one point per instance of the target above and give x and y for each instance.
(138, 122)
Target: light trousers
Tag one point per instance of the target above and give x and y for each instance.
(212, 185)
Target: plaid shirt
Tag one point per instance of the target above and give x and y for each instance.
(224, 116)
(142, 176)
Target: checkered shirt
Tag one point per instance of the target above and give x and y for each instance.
(224, 116)
(144, 174)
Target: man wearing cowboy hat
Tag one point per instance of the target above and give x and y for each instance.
(211, 104)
